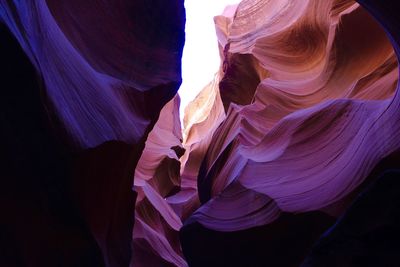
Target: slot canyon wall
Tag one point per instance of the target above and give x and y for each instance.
(288, 157)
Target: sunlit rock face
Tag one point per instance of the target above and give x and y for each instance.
(300, 112)
(301, 116)
(321, 78)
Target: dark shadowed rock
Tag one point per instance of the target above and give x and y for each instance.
(39, 223)
(282, 243)
(368, 233)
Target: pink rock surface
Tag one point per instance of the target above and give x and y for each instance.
(325, 94)
(303, 107)
(301, 110)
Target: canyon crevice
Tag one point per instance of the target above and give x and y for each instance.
(278, 160)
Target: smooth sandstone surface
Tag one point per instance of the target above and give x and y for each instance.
(294, 125)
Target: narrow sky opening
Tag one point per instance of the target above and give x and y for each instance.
(200, 59)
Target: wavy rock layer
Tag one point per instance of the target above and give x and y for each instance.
(104, 71)
(325, 94)
(302, 109)
(273, 150)
(106, 79)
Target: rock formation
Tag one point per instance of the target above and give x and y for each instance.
(300, 118)
(303, 93)
(76, 120)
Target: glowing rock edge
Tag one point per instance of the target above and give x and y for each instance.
(301, 117)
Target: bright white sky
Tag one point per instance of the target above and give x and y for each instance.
(200, 59)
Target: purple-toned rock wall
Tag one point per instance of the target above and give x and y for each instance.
(282, 159)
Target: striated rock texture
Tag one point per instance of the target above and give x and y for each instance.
(277, 146)
(157, 177)
(83, 84)
(300, 118)
(108, 66)
(313, 120)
